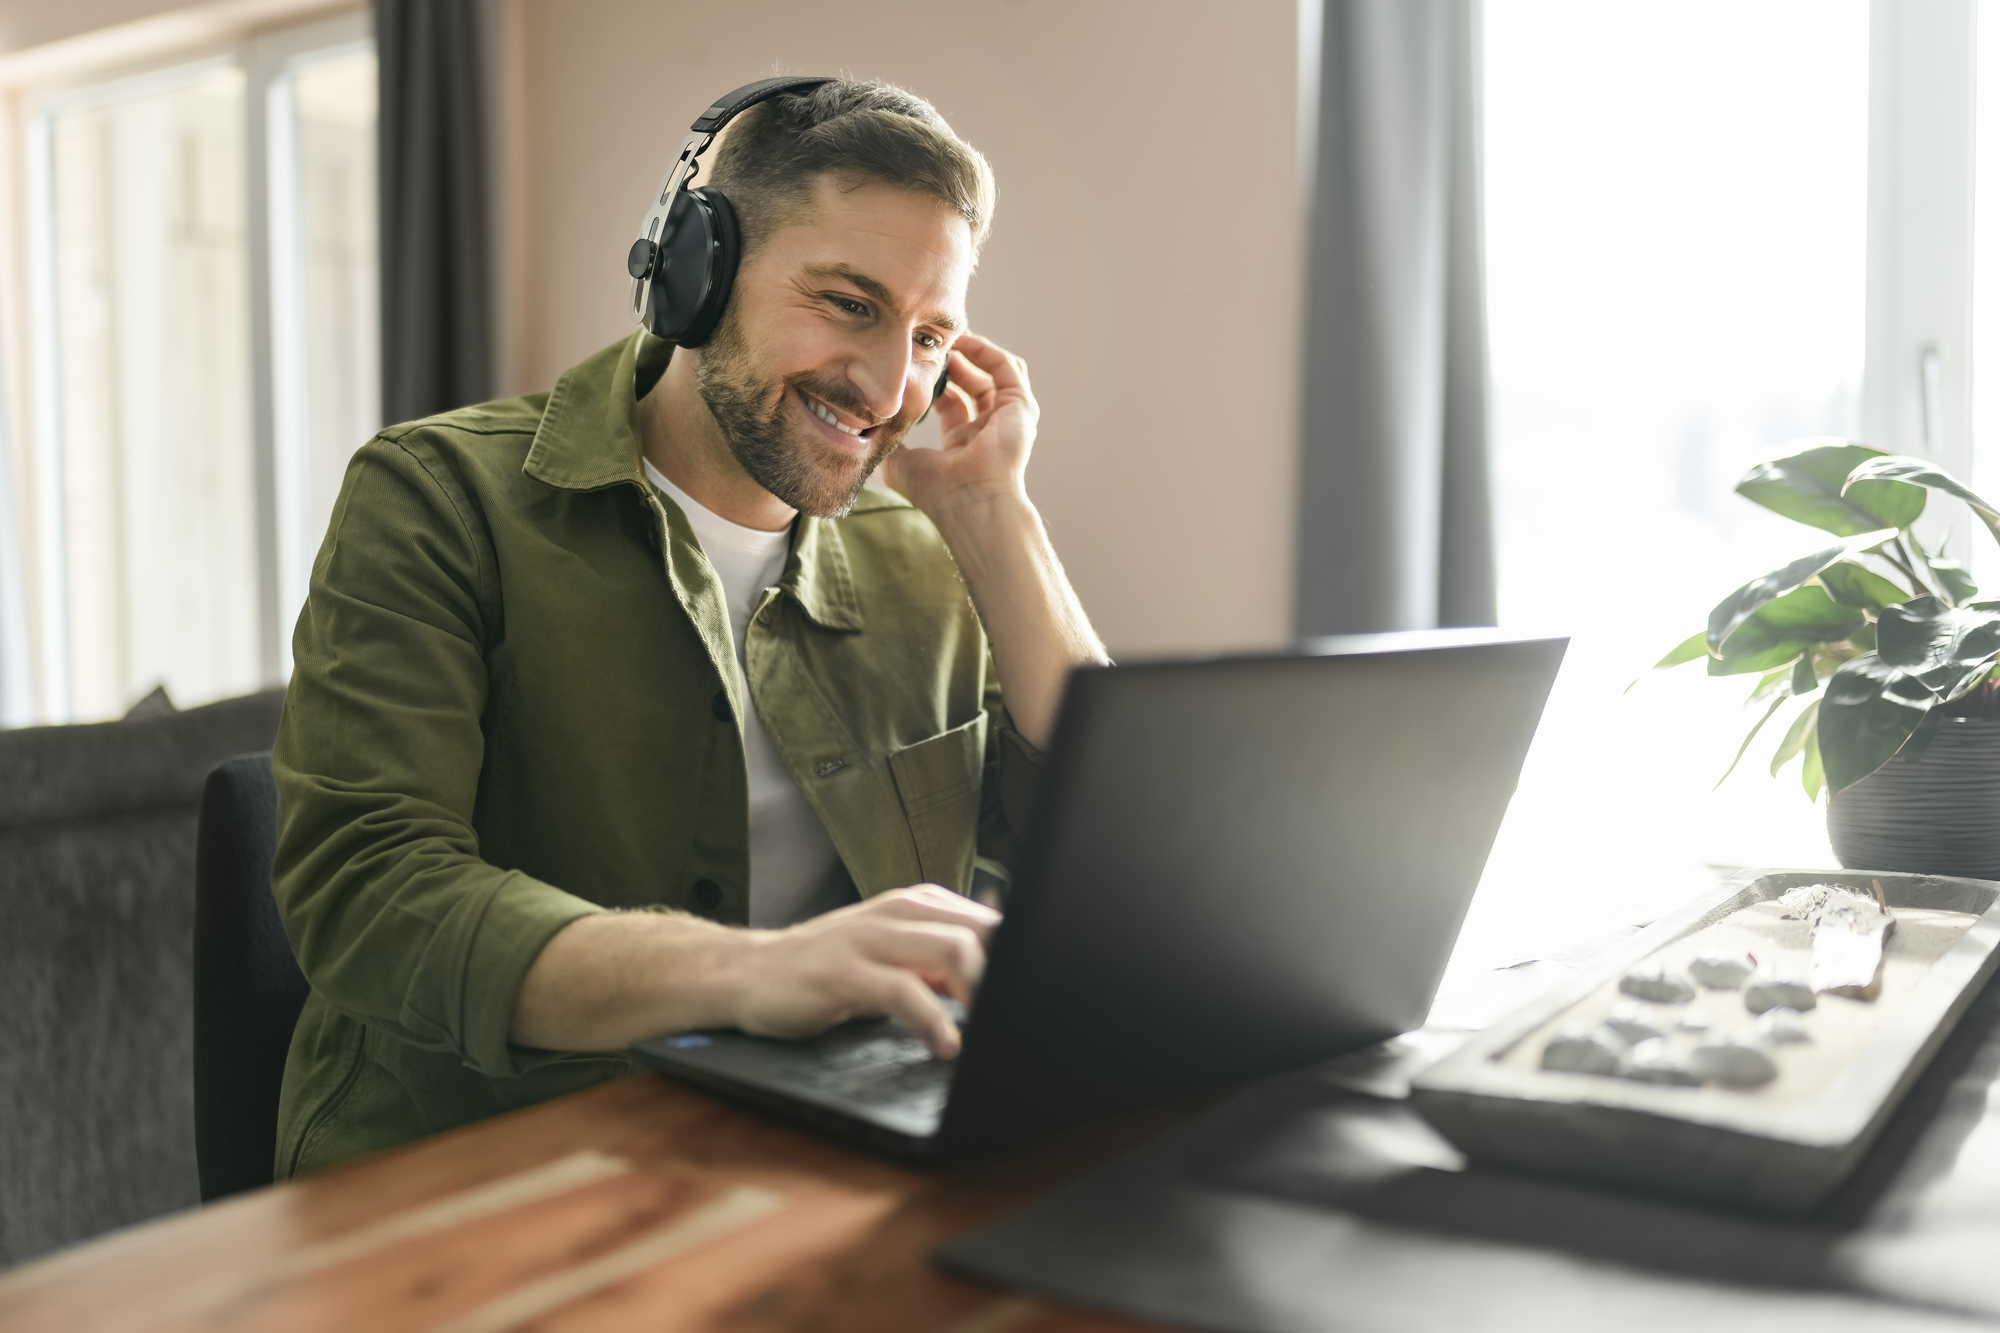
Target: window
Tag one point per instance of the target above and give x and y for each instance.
(1678, 258)
(203, 283)
(325, 330)
(1714, 227)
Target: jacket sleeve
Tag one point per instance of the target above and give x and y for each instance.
(1012, 780)
(395, 919)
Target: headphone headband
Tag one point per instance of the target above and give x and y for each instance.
(643, 263)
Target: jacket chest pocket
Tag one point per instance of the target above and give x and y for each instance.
(938, 781)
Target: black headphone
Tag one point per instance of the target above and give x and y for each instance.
(683, 265)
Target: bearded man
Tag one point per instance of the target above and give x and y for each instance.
(625, 709)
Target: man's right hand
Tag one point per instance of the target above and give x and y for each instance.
(893, 954)
(605, 981)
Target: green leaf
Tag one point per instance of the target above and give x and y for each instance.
(1744, 748)
(1693, 646)
(1795, 739)
(1812, 776)
(1868, 710)
(1956, 579)
(1804, 679)
(1852, 584)
(1812, 487)
(1783, 629)
(1896, 468)
(1773, 679)
(1733, 611)
(1946, 648)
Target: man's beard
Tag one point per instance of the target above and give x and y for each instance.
(785, 456)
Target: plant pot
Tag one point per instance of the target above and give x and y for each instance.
(1938, 816)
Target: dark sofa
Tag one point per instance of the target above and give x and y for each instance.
(97, 841)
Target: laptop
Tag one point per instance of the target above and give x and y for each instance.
(1237, 865)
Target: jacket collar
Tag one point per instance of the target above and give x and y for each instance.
(589, 434)
(589, 439)
(818, 577)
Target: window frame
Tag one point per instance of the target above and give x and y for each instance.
(1922, 192)
(266, 60)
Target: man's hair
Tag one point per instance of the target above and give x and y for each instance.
(773, 156)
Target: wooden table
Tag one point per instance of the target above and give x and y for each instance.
(635, 1205)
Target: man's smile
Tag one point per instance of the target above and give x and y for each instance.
(846, 431)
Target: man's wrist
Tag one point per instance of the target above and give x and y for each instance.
(708, 972)
(981, 529)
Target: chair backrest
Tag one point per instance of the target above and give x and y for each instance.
(248, 989)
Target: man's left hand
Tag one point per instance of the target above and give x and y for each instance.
(988, 415)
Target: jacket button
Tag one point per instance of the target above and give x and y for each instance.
(707, 895)
(720, 707)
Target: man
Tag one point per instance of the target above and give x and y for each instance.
(625, 709)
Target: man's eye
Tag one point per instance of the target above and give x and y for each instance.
(850, 307)
(929, 340)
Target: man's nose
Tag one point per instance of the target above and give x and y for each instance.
(882, 377)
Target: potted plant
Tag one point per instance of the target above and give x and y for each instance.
(1893, 647)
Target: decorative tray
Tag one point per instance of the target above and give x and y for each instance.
(1745, 1050)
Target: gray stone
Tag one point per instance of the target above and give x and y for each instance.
(1581, 1051)
(1770, 991)
(1733, 1064)
(1721, 971)
(1650, 981)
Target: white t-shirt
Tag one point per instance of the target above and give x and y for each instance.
(791, 857)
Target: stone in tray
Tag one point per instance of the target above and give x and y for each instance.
(1662, 985)
(1584, 1051)
(1722, 971)
(1775, 990)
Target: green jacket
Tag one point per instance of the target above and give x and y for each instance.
(513, 704)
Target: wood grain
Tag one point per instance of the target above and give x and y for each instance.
(636, 1204)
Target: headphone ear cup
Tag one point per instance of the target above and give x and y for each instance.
(697, 268)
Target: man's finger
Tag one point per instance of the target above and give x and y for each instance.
(948, 955)
(941, 905)
(954, 407)
(907, 1000)
(1002, 367)
(974, 381)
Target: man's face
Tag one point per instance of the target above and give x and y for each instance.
(835, 334)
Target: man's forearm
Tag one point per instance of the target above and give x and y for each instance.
(604, 981)
(1031, 614)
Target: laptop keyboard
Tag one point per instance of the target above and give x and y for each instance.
(888, 1073)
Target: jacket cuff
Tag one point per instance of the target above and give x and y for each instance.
(1021, 768)
(521, 916)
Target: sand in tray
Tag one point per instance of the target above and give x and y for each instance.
(1839, 1025)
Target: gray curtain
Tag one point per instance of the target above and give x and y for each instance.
(1395, 509)
(436, 311)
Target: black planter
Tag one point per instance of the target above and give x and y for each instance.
(1938, 816)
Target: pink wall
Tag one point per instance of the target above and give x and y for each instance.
(1145, 257)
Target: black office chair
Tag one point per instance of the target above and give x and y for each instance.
(248, 989)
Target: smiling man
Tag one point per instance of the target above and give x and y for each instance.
(627, 709)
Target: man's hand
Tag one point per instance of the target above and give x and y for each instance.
(988, 417)
(975, 490)
(892, 954)
(608, 980)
